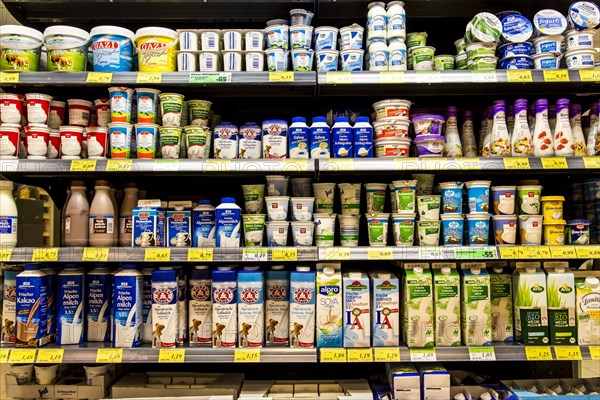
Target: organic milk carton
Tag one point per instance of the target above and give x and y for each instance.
(476, 318)
(277, 306)
(200, 307)
(70, 316)
(32, 308)
(165, 316)
(502, 304)
(302, 307)
(179, 224)
(99, 284)
(446, 295)
(531, 304)
(588, 309)
(251, 308)
(329, 305)
(561, 303)
(357, 310)
(385, 303)
(224, 310)
(417, 297)
(127, 307)
(147, 304)
(9, 307)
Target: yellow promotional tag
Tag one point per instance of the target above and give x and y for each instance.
(387, 354)
(339, 78)
(5, 255)
(171, 355)
(587, 252)
(468, 163)
(556, 75)
(284, 254)
(589, 75)
(332, 355)
(559, 252)
(83, 166)
(391, 77)
(591, 162)
(4, 356)
(119, 165)
(281, 76)
(554, 163)
(482, 354)
(567, 352)
(99, 77)
(380, 254)
(509, 252)
(50, 356)
(534, 252)
(149, 77)
(45, 255)
(95, 254)
(360, 355)
(595, 352)
(516, 76)
(337, 253)
(538, 353)
(9, 77)
(516, 163)
(109, 356)
(201, 255)
(22, 356)
(246, 356)
(157, 255)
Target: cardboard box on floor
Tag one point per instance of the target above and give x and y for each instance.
(333, 390)
(66, 388)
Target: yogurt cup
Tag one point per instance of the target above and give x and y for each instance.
(580, 59)
(519, 62)
(578, 40)
(375, 197)
(503, 199)
(120, 103)
(552, 208)
(301, 187)
(515, 49)
(254, 227)
(324, 195)
(393, 198)
(392, 147)
(325, 229)
(299, 16)
(480, 49)
(377, 226)
(430, 145)
(443, 63)
(549, 23)
(71, 142)
(199, 112)
(516, 28)
(277, 185)
(303, 233)
(38, 108)
(209, 61)
(232, 40)
(422, 57)
(530, 229)
(197, 141)
(277, 36)
(302, 59)
(277, 207)
(147, 105)
(547, 61)
(210, 40)
(171, 105)
(505, 229)
(350, 196)
(326, 38)
(460, 45)
(157, 49)
(36, 141)
(97, 142)
(478, 225)
(120, 139)
(277, 233)
(478, 193)
(351, 37)
(21, 48)
(277, 59)
(170, 141)
(578, 232)
(146, 139)
(10, 135)
(327, 60)
(451, 195)
(352, 60)
(349, 225)
(11, 109)
(79, 112)
(428, 124)
(391, 129)
(392, 110)
(461, 61)
(254, 40)
(424, 184)
(416, 39)
(428, 233)
(453, 227)
(405, 190)
(583, 15)
(66, 48)
(484, 27)
(404, 229)
(255, 61)
(548, 44)
(554, 233)
(53, 144)
(302, 208)
(429, 207)
(188, 40)
(301, 36)
(528, 199)
(253, 198)
(232, 60)
(187, 61)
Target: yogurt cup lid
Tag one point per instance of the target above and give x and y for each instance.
(352, 27)
(22, 30)
(278, 22)
(453, 217)
(112, 30)
(326, 28)
(155, 31)
(404, 216)
(579, 222)
(425, 138)
(427, 117)
(478, 216)
(557, 222)
(66, 30)
(550, 22)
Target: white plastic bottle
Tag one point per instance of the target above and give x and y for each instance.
(578, 138)
(542, 134)
(319, 138)
(453, 146)
(228, 222)
(377, 22)
(469, 144)
(563, 136)
(593, 132)
(298, 138)
(8, 216)
(127, 307)
(363, 138)
(397, 55)
(521, 141)
(396, 20)
(341, 131)
(378, 57)
(500, 138)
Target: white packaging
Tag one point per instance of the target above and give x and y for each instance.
(476, 318)
(329, 305)
(447, 304)
(357, 310)
(277, 306)
(165, 315)
(417, 315)
(501, 294)
(187, 62)
(232, 61)
(127, 307)
(386, 309)
(562, 322)
(147, 305)
(224, 310)
(251, 312)
(274, 139)
(588, 303)
(209, 61)
(210, 41)
(255, 61)
(254, 40)
(200, 307)
(302, 307)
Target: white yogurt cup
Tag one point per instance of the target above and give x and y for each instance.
(277, 185)
(547, 61)
(299, 16)
(349, 226)
(232, 61)
(301, 37)
(549, 23)
(378, 57)
(210, 40)
(350, 196)
(277, 207)
(277, 36)
(36, 141)
(428, 207)
(326, 38)
(428, 232)
(548, 44)
(210, 61)
(351, 37)
(376, 194)
(188, 41)
(391, 129)
(302, 59)
(392, 109)
(232, 40)
(392, 147)
(580, 40)
(79, 112)
(255, 61)
(277, 60)
(186, 61)
(327, 60)
(404, 229)
(352, 60)
(302, 208)
(303, 233)
(277, 233)
(325, 229)
(580, 59)
(38, 108)
(254, 40)
(324, 195)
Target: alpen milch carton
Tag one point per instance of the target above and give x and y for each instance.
(502, 303)
(329, 305)
(447, 304)
(302, 307)
(277, 306)
(385, 289)
(531, 304)
(562, 324)
(417, 315)
(588, 308)
(476, 315)
(357, 309)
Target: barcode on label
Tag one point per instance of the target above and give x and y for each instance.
(255, 64)
(255, 43)
(211, 42)
(110, 225)
(209, 63)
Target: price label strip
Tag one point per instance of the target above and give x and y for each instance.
(475, 254)
(341, 164)
(568, 353)
(284, 254)
(468, 163)
(83, 166)
(281, 76)
(484, 76)
(589, 75)
(482, 354)
(558, 252)
(50, 356)
(210, 77)
(255, 254)
(119, 165)
(217, 165)
(246, 356)
(516, 163)
(95, 254)
(104, 356)
(431, 253)
(391, 77)
(99, 77)
(423, 355)
(509, 252)
(538, 353)
(334, 78)
(337, 253)
(200, 255)
(4, 356)
(5, 255)
(554, 162)
(332, 355)
(387, 354)
(295, 165)
(45, 255)
(149, 77)
(157, 255)
(518, 76)
(556, 75)
(22, 356)
(360, 355)
(595, 352)
(429, 77)
(166, 165)
(534, 252)
(591, 162)
(171, 355)
(9, 77)
(380, 254)
(587, 252)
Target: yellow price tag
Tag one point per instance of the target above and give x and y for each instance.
(337, 253)
(50, 356)
(339, 78)
(281, 76)
(119, 165)
(360, 355)
(171, 355)
(95, 254)
(83, 166)
(554, 162)
(567, 352)
(332, 355)
(45, 255)
(284, 254)
(22, 356)
(4, 356)
(391, 77)
(516, 76)
(341, 164)
(104, 356)
(538, 353)
(9, 77)
(587, 252)
(589, 75)
(157, 255)
(5, 255)
(595, 352)
(246, 356)
(516, 163)
(535, 252)
(468, 163)
(149, 77)
(380, 254)
(295, 165)
(201, 255)
(563, 252)
(387, 354)
(556, 75)
(509, 252)
(99, 77)
(591, 162)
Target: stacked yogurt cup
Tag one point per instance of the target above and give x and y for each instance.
(283, 39)
(391, 127)
(429, 138)
(386, 35)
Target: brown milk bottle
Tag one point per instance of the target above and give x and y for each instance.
(102, 217)
(76, 216)
(113, 198)
(125, 222)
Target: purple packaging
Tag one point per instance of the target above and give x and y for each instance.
(430, 145)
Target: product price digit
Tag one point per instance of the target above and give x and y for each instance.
(149, 77)
(380, 254)
(45, 255)
(202, 255)
(284, 254)
(589, 75)
(538, 353)
(281, 76)
(5, 255)
(50, 356)
(387, 354)
(157, 255)
(474, 254)
(482, 354)
(484, 76)
(567, 352)
(429, 77)
(588, 252)
(563, 252)
(208, 77)
(556, 75)
(535, 251)
(109, 356)
(509, 252)
(119, 165)
(333, 355)
(4, 356)
(554, 163)
(337, 253)
(99, 77)
(22, 356)
(360, 355)
(246, 355)
(254, 254)
(171, 356)
(6, 77)
(431, 253)
(423, 355)
(83, 166)
(515, 76)
(95, 254)
(516, 163)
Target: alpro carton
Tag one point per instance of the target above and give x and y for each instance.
(587, 289)
(446, 295)
(357, 309)
(502, 302)
(530, 304)
(560, 291)
(329, 305)
(148, 220)
(417, 316)
(179, 224)
(385, 303)
(476, 319)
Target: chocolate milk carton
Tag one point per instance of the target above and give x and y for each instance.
(32, 308)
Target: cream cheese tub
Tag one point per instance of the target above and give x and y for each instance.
(392, 147)
(157, 49)
(430, 145)
(21, 48)
(428, 124)
(554, 233)
(552, 208)
(391, 129)
(580, 59)
(422, 57)
(580, 40)
(392, 109)
(547, 61)
(66, 48)
(516, 28)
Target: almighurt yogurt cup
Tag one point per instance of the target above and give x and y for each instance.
(480, 49)
(452, 194)
(377, 226)
(422, 57)
(478, 193)
(350, 196)
(453, 226)
(324, 195)
(277, 233)
(529, 199)
(147, 105)
(505, 229)
(404, 229)
(349, 225)
(404, 190)
(327, 60)
(530, 229)
(428, 207)
(484, 27)
(277, 207)
(253, 198)
(303, 233)
(302, 208)
(428, 233)
(554, 233)
(443, 62)
(479, 228)
(503, 199)
(254, 228)
(325, 229)
(375, 197)
(146, 139)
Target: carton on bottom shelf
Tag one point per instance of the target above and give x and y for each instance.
(522, 389)
(66, 388)
(358, 389)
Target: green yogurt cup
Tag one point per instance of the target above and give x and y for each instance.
(254, 198)
(415, 39)
(254, 228)
(443, 63)
(377, 225)
(199, 112)
(405, 195)
(171, 105)
(170, 141)
(529, 199)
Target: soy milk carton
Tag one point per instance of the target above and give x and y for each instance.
(476, 318)
(200, 307)
(447, 304)
(588, 309)
(148, 220)
(224, 310)
(31, 308)
(165, 315)
(9, 307)
(357, 310)
(530, 304)
(385, 301)
(277, 306)
(179, 224)
(302, 307)
(417, 297)
(329, 305)
(562, 321)
(251, 312)
(501, 295)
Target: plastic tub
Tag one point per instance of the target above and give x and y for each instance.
(376, 193)
(404, 229)
(255, 61)
(482, 63)
(197, 141)
(351, 37)
(352, 60)
(396, 109)
(325, 229)
(79, 112)
(146, 139)
(112, 48)
(120, 103)
(97, 142)
(277, 185)
(378, 57)
(66, 48)
(350, 196)
(583, 15)
(102, 111)
(530, 229)
(392, 147)
(444, 63)
(516, 28)
(428, 124)
(554, 233)
(451, 194)
(120, 139)
(478, 193)
(430, 145)
(377, 227)
(416, 39)
(428, 233)
(277, 59)
(460, 61)
(549, 23)
(327, 60)
(11, 108)
(277, 207)
(579, 40)
(210, 40)
(428, 207)
(478, 225)
(578, 232)
(580, 59)
(277, 36)
(53, 144)
(391, 129)
(503, 199)
(548, 44)
(301, 187)
(232, 40)
(38, 108)
(36, 141)
(302, 59)
(519, 62)
(21, 48)
(302, 208)
(453, 226)
(552, 208)
(170, 139)
(171, 105)
(157, 49)
(254, 227)
(254, 40)
(405, 192)
(481, 49)
(71, 142)
(188, 40)
(547, 61)
(505, 229)
(484, 27)
(301, 37)
(422, 57)
(303, 233)
(515, 49)
(326, 38)
(10, 135)
(460, 45)
(277, 233)
(324, 195)
(528, 199)
(147, 105)
(299, 16)
(349, 225)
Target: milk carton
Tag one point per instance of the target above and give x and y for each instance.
(179, 224)
(182, 306)
(435, 382)
(250, 141)
(501, 296)
(588, 309)
(302, 307)
(357, 310)
(70, 314)
(530, 304)
(148, 220)
(224, 310)
(204, 221)
(385, 303)
(417, 316)
(32, 308)
(99, 284)
(147, 305)
(277, 306)
(251, 311)
(329, 305)
(405, 381)
(127, 307)
(446, 295)
(51, 295)
(562, 324)
(165, 315)
(274, 138)
(476, 318)
(9, 307)
(200, 307)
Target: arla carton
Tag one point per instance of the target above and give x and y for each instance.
(357, 310)
(148, 220)
(224, 310)
(587, 289)
(302, 307)
(501, 295)
(562, 321)
(277, 306)
(329, 305)
(446, 294)
(418, 305)
(179, 224)
(251, 311)
(385, 303)
(530, 304)
(476, 318)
